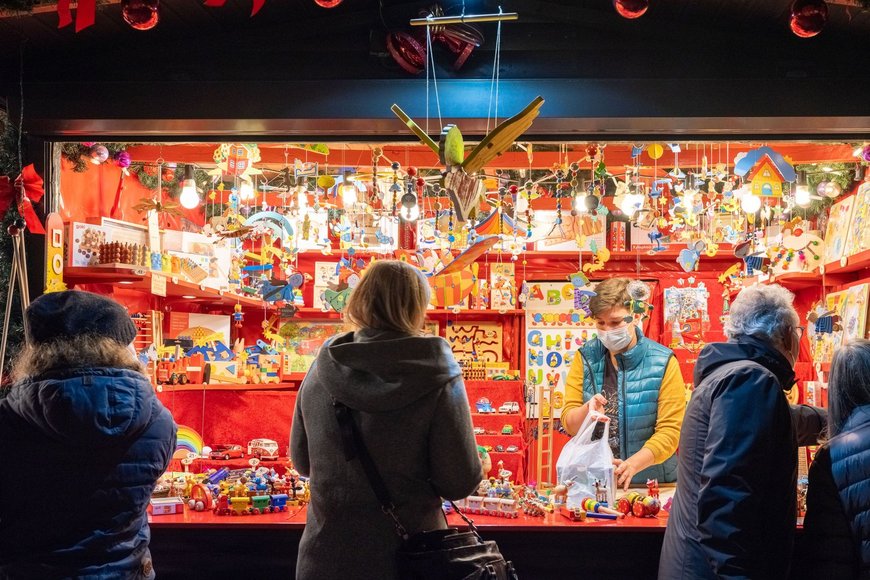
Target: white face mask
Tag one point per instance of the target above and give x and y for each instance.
(616, 340)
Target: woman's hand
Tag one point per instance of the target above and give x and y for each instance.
(597, 403)
(627, 469)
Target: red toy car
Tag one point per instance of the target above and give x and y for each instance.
(226, 452)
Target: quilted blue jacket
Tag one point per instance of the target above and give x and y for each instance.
(640, 371)
(80, 453)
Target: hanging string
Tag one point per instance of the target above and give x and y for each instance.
(494, 82)
(430, 58)
(21, 102)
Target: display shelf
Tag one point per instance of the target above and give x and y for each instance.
(140, 279)
(230, 386)
(854, 263)
(797, 280)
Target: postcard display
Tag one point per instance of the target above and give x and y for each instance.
(554, 331)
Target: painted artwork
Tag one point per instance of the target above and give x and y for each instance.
(849, 308)
(84, 246)
(325, 274)
(303, 340)
(551, 237)
(686, 316)
(475, 341)
(853, 312)
(859, 230)
(503, 295)
(839, 222)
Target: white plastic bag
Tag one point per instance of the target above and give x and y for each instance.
(584, 461)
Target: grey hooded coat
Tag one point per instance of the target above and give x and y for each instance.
(410, 404)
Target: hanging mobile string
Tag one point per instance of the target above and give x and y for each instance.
(430, 59)
(494, 82)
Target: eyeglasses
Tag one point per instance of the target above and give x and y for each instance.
(800, 330)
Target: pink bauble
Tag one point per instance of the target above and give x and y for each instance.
(631, 8)
(808, 17)
(865, 153)
(327, 3)
(99, 154)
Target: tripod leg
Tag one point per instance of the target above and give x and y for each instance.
(9, 295)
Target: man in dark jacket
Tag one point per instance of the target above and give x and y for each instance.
(83, 440)
(734, 510)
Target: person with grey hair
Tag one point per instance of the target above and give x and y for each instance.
(734, 511)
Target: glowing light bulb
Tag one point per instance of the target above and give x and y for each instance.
(580, 203)
(348, 190)
(802, 195)
(246, 191)
(631, 202)
(410, 214)
(522, 204)
(750, 203)
(188, 199)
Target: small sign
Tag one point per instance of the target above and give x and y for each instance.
(158, 285)
(54, 253)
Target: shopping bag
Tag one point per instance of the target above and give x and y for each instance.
(586, 466)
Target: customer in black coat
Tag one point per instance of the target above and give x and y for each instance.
(837, 524)
(734, 509)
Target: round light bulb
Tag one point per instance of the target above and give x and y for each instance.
(802, 195)
(188, 199)
(410, 214)
(522, 204)
(631, 202)
(246, 191)
(750, 203)
(580, 203)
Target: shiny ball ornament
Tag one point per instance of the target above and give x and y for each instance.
(592, 150)
(591, 202)
(122, 159)
(327, 3)
(865, 153)
(631, 9)
(409, 200)
(141, 14)
(808, 17)
(99, 154)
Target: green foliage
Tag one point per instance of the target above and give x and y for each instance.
(79, 154)
(147, 176)
(9, 167)
(841, 174)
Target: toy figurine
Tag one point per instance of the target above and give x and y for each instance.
(560, 492)
(600, 492)
(652, 486)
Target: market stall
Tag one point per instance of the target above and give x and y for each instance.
(235, 261)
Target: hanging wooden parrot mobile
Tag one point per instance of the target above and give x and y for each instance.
(464, 187)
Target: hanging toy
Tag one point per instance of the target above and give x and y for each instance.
(638, 303)
(238, 315)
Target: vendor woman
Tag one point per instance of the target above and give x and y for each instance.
(635, 381)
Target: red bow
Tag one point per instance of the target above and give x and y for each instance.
(86, 13)
(26, 190)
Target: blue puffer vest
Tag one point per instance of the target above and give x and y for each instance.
(850, 465)
(640, 371)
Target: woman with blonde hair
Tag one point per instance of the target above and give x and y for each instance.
(86, 438)
(405, 394)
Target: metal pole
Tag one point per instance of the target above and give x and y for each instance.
(9, 294)
(442, 20)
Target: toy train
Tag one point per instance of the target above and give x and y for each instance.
(254, 505)
(489, 506)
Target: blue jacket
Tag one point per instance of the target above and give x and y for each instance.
(80, 452)
(640, 371)
(838, 504)
(733, 514)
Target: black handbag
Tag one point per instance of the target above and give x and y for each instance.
(446, 554)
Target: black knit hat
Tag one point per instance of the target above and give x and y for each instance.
(63, 315)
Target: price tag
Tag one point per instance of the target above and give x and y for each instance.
(158, 285)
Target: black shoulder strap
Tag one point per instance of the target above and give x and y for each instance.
(355, 447)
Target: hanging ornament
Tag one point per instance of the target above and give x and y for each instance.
(141, 14)
(99, 154)
(327, 3)
(631, 8)
(865, 153)
(655, 151)
(407, 52)
(808, 17)
(122, 159)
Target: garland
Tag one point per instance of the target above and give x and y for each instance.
(9, 167)
(171, 178)
(79, 154)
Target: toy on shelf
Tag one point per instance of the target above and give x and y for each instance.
(226, 452)
(574, 514)
(601, 511)
(166, 505)
(255, 505)
(484, 405)
(639, 505)
(509, 407)
(201, 498)
(263, 449)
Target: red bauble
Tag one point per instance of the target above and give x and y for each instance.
(168, 174)
(808, 17)
(141, 14)
(631, 8)
(327, 3)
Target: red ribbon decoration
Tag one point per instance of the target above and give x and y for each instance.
(64, 14)
(86, 14)
(25, 191)
(116, 207)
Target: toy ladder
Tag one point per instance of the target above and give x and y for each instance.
(545, 435)
(150, 331)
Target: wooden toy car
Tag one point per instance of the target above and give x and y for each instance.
(484, 405)
(509, 407)
(226, 451)
(507, 430)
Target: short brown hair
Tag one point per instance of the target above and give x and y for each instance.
(609, 294)
(392, 295)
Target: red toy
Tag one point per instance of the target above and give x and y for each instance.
(226, 451)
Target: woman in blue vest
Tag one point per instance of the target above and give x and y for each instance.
(635, 381)
(837, 523)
